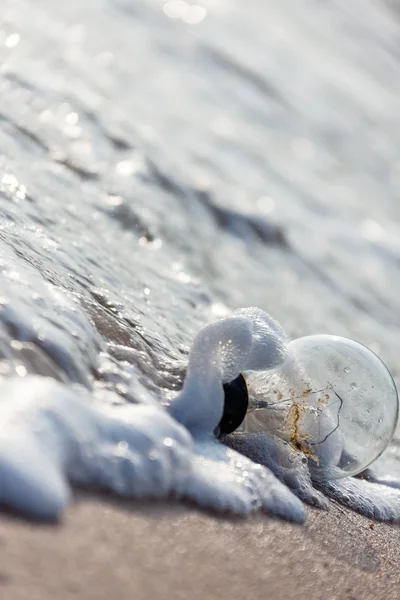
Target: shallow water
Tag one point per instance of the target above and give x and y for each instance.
(156, 173)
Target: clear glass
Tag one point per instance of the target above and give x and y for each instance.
(332, 398)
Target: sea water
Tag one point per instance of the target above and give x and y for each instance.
(161, 164)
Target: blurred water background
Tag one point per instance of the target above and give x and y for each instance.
(162, 162)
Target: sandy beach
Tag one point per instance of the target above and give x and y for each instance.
(148, 551)
(163, 163)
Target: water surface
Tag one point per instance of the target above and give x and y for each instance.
(162, 163)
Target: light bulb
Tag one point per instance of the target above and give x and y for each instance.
(332, 398)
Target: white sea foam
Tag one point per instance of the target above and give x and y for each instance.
(54, 436)
(370, 499)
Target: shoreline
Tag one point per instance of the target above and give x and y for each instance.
(107, 548)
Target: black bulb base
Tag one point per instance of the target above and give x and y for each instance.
(235, 405)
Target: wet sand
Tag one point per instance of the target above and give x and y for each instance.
(149, 551)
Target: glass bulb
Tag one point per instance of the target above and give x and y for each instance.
(332, 398)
